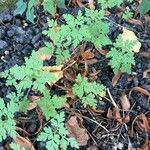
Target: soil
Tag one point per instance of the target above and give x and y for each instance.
(17, 40)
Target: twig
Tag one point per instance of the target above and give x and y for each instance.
(95, 122)
(112, 100)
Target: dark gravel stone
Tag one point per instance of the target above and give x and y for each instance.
(41, 146)
(3, 44)
(10, 33)
(2, 32)
(5, 16)
(2, 148)
(18, 30)
(136, 82)
(36, 38)
(18, 47)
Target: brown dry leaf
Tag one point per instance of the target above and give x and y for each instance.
(34, 101)
(146, 74)
(56, 71)
(141, 90)
(80, 134)
(143, 123)
(102, 51)
(115, 114)
(91, 4)
(109, 114)
(79, 2)
(23, 142)
(145, 54)
(125, 102)
(87, 55)
(93, 147)
(107, 13)
(129, 35)
(126, 119)
(89, 62)
(116, 78)
(135, 21)
(146, 145)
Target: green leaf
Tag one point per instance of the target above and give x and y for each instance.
(87, 91)
(7, 122)
(49, 105)
(21, 7)
(144, 6)
(49, 6)
(61, 3)
(57, 136)
(30, 14)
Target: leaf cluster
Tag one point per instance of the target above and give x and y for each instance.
(7, 122)
(121, 55)
(85, 27)
(87, 91)
(29, 75)
(56, 135)
(49, 105)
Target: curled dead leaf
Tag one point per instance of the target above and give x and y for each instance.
(125, 102)
(129, 35)
(135, 21)
(116, 78)
(146, 145)
(143, 123)
(34, 102)
(80, 134)
(141, 90)
(93, 147)
(87, 55)
(23, 142)
(91, 4)
(146, 74)
(115, 114)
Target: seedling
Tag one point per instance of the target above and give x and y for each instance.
(87, 91)
(56, 136)
(121, 55)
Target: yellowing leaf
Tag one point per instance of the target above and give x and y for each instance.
(129, 35)
(56, 70)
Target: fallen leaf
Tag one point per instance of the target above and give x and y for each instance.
(89, 62)
(145, 54)
(102, 51)
(80, 134)
(143, 122)
(34, 100)
(91, 4)
(115, 114)
(125, 102)
(146, 145)
(109, 114)
(126, 119)
(87, 55)
(116, 78)
(135, 21)
(129, 35)
(23, 142)
(146, 74)
(93, 147)
(141, 90)
(80, 4)
(56, 71)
